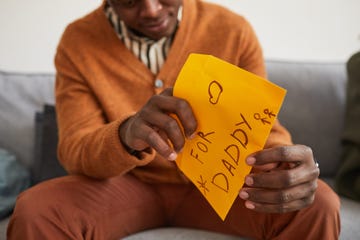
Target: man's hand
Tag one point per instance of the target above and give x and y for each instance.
(153, 126)
(288, 187)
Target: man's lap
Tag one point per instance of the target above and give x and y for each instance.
(124, 205)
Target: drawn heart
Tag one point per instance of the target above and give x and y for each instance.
(214, 90)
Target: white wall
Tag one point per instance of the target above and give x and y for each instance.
(316, 30)
(30, 31)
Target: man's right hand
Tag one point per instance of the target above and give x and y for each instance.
(153, 126)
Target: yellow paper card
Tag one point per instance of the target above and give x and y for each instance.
(235, 111)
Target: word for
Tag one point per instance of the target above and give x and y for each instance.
(231, 158)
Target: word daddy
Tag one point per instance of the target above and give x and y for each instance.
(235, 111)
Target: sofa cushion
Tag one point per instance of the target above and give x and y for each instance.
(313, 109)
(175, 233)
(21, 96)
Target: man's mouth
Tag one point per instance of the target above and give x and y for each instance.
(157, 26)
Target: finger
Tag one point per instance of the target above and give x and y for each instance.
(162, 134)
(291, 154)
(151, 137)
(269, 196)
(282, 178)
(280, 208)
(168, 127)
(179, 107)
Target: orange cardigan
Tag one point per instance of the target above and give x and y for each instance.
(100, 83)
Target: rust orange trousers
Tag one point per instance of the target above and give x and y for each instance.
(76, 207)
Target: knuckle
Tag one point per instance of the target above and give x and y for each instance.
(287, 179)
(170, 125)
(307, 150)
(312, 188)
(284, 152)
(316, 172)
(284, 197)
(306, 153)
(151, 138)
(182, 105)
(136, 127)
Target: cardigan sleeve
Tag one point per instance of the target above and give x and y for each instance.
(251, 56)
(252, 60)
(88, 143)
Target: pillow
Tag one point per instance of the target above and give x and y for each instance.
(46, 164)
(14, 178)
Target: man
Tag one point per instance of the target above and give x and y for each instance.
(348, 177)
(115, 70)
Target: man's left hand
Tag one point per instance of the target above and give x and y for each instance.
(289, 186)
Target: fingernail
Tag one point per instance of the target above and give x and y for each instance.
(172, 156)
(249, 181)
(250, 160)
(244, 195)
(249, 205)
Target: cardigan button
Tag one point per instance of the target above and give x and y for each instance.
(159, 83)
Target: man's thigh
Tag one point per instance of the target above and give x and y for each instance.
(78, 206)
(195, 212)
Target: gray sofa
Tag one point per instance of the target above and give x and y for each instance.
(313, 111)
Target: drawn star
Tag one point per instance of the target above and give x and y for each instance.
(202, 184)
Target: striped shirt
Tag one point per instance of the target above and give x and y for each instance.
(152, 53)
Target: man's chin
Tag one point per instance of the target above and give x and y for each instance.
(151, 35)
(156, 32)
